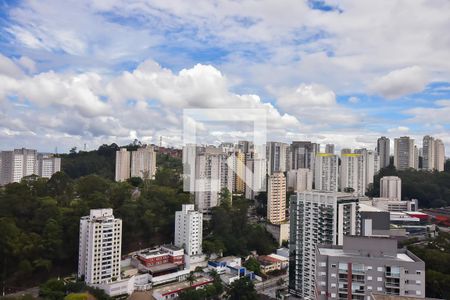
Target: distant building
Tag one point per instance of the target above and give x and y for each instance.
(329, 148)
(365, 265)
(123, 159)
(303, 154)
(189, 230)
(384, 151)
(16, 164)
(405, 155)
(326, 172)
(353, 173)
(439, 159)
(143, 163)
(47, 165)
(277, 157)
(276, 198)
(317, 218)
(100, 247)
(428, 153)
(299, 180)
(391, 187)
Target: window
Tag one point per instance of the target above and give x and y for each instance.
(418, 272)
(379, 279)
(369, 288)
(380, 269)
(380, 289)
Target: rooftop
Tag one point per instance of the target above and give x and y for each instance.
(178, 287)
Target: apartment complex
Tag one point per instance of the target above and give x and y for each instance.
(317, 218)
(391, 187)
(277, 157)
(326, 172)
(302, 154)
(189, 230)
(384, 151)
(276, 198)
(366, 265)
(100, 247)
(47, 165)
(433, 154)
(18, 163)
(329, 148)
(140, 163)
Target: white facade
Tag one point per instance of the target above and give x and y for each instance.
(47, 165)
(405, 155)
(255, 175)
(17, 164)
(100, 247)
(189, 230)
(276, 198)
(122, 164)
(317, 218)
(391, 187)
(300, 180)
(143, 163)
(353, 173)
(326, 172)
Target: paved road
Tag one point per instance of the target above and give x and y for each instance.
(270, 283)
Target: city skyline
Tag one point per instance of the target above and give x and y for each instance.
(343, 73)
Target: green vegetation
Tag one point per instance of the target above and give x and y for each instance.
(55, 289)
(432, 189)
(230, 233)
(39, 219)
(242, 289)
(436, 254)
(212, 291)
(252, 264)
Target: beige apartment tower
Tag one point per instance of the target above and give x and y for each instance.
(276, 198)
(122, 165)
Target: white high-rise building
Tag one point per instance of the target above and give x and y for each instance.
(47, 165)
(189, 230)
(122, 164)
(276, 198)
(317, 218)
(439, 159)
(299, 180)
(255, 175)
(428, 153)
(100, 247)
(405, 155)
(391, 187)
(17, 164)
(371, 165)
(384, 151)
(353, 173)
(143, 163)
(326, 172)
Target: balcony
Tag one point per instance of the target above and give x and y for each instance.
(392, 275)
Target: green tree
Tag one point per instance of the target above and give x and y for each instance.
(242, 289)
(253, 264)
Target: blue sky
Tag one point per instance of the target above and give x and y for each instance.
(343, 72)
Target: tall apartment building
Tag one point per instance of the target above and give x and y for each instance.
(255, 175)
(239, 174)
(353, 173)
(143, 163)
(346, 151)
(299, 180)
(212, 175)
(384, 151)
(371, 165)
(277, 157)
(303, 154)
(326, 172)
(366, 265)
(123, 159)
(405, 155)
(47, 165)
(439, 159)
(276, 198)
(329, 148)
(428, 153)
(391, 187)
(140, 163)
(317, 218)
(100, 247)
(17, 164)
(189, 229)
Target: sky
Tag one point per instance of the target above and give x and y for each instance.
(76, 73)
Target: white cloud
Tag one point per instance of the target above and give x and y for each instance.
(353, 100)
(400, 82)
